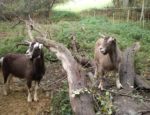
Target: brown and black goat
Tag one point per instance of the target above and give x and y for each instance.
(29, 66)
(107, 57)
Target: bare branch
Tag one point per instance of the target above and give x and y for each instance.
(29, 28)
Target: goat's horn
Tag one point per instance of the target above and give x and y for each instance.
(102, 35)
(25, 44)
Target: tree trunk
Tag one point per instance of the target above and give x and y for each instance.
(125, 3)
(128, 77)
(124, 100)
(82, 103)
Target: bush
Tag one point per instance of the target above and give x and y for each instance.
(61, 102)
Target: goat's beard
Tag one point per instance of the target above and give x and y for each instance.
(104, 53)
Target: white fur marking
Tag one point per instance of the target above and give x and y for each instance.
(40, 46)
(29, 99)
(36, 45)
(5, 89)
(100, 86)
(1, 60)
(118, 84)
(27, 52)
(132, 86)
(35, 93)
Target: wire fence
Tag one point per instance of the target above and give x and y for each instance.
(131, 14)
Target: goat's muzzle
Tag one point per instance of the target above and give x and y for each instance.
(103, 51)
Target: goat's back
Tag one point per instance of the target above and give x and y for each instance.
(17, 64)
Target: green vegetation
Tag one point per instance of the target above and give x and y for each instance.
(9, 37)
(87, 30)
(61, 104)
(64, 15)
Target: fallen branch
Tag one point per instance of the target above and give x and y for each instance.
(75, 74)
(144, 111)
(127, 95)
(76, 78)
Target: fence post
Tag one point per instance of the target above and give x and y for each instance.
(128, 15)
(113, 17)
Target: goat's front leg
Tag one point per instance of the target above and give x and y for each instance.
(35, 93)
(29, 83)
(118, 83)
(96, 72)
(101, 82)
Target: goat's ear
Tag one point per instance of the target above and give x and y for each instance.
(102, 37)
(114, 39)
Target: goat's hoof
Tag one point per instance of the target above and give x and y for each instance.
(36, 99)
(119, 86)
(5, 93)
(101, 87)
(132, 87)
(29, 99)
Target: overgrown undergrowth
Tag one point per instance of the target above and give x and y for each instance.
(87, 31)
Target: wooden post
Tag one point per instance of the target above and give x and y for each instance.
(113, 18)
(128, 15)
(94, 13)
(142, 14)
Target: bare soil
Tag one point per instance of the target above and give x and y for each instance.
(15, 103)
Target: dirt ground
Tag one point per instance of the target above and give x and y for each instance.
(15, 103)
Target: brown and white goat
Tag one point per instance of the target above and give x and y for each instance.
(29, 66)
(107, 57)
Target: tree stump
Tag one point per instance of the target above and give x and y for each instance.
(124, 100)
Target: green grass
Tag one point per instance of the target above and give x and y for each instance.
(63, 15)
(9, 38)
(87, 30)
(61, 104)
